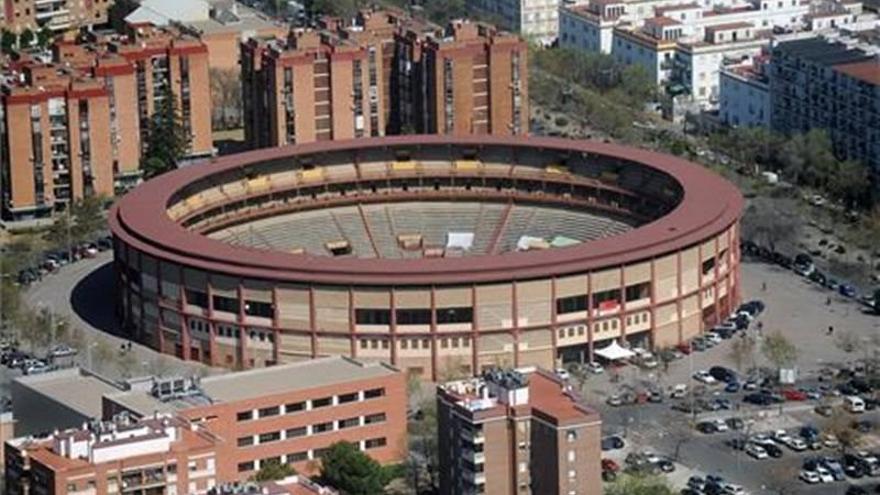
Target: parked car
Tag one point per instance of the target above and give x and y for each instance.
(61, 350)
(563, 374)
(707, 427)
(594, 368)
(612, 442)
(796, 444)
(735, 423)
(794, 395)
(36, 368)
(809, 477)
(723, 374)
(773, 450)
(703, 376)
(847, 290)
(824, 410)
(756, 451)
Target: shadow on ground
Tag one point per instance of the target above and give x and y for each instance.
(92, 299)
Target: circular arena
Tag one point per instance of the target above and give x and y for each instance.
(442, 255)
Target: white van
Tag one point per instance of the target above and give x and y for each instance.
(854, 404)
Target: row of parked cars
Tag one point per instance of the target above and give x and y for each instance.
(828, 469)
(712, 485)
(51, 261)
(29, 364)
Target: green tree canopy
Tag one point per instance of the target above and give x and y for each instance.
(273, 470)
(779, 350)
(7, 41)
(350, 471)
(44, 37)
(26, 38)
(80, 224)
(167, 138)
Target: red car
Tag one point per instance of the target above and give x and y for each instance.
(684, 348)
(794, 395)
(609, 465)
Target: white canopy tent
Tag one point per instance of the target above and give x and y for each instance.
(459, 240)
(614, 352)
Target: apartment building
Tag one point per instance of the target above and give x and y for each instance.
(56, 15)
(744, 95)
(384, 74)
(291, 485)
(537, 20)
(289, 413)
(55, 138)
(160, 454)
(77, 126)
(477, 81)
(684, 46)
(517, 431)
(833, 84)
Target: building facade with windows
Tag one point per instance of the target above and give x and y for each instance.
(78, 126)
(429, 252)
(831, 84)
(744, 93)
(537, 20)
(56, 15)
(160, 454)
(517, 431)
(385, 74)
(288, 413)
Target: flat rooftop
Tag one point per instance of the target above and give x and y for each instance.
(244, 385)
(75, 388)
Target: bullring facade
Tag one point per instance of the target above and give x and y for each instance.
(438, 254)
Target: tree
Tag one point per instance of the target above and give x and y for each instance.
(26, 38)
(7, 41)
(850, 183)
(423, 460)
(346, 468)
(167, 140)
(780, 351)
(83, 220)
(841, 426)
(44, 37)
(742, 350)
(273, 470)
(772, 223)
(630, 484)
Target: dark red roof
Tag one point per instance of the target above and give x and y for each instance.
(710, 205)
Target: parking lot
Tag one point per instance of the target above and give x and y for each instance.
(799, 310)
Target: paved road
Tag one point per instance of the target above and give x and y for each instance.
(83, 293)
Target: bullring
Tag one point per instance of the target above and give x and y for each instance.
(438, 254)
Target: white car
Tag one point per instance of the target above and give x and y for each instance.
(756, 451)
(712, 336)
(720, 425)
(725, 326)
(595, 368)
(678, 391)
(781, 436)
(825, 475)
(796, 444)
(563, 374)
(761, 439)
(731, 489)
(830, 441)
(810, 477)
(703, 376)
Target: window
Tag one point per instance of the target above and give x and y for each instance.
(608, 299)
(270, 411)
(638, 291)
(245, 441)
(413, 316)
(571, 304)
(571, 436)
(455, 315)
(244, 416)
(297, 457)
(374, 418)
(196, 298)
(319, 453)
(374, 393)
(245, 466)
(257, 308)
(708, 265)
(323, 402)
(346, 398)
(227, 304)
(375, 443)
(571, 456)
(296, 432)
(366, 316)
(273, 436)
(322, 427)
(348, 423)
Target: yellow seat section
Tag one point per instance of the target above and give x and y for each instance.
(312, 175)
(555, 168)
(467, 165)
(404, 166)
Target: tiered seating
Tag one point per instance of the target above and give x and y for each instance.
(353, 229)
(380, 227)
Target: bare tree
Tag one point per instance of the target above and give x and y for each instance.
(742, 352)
(780, 351)
(841, 426)
(772, 223)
